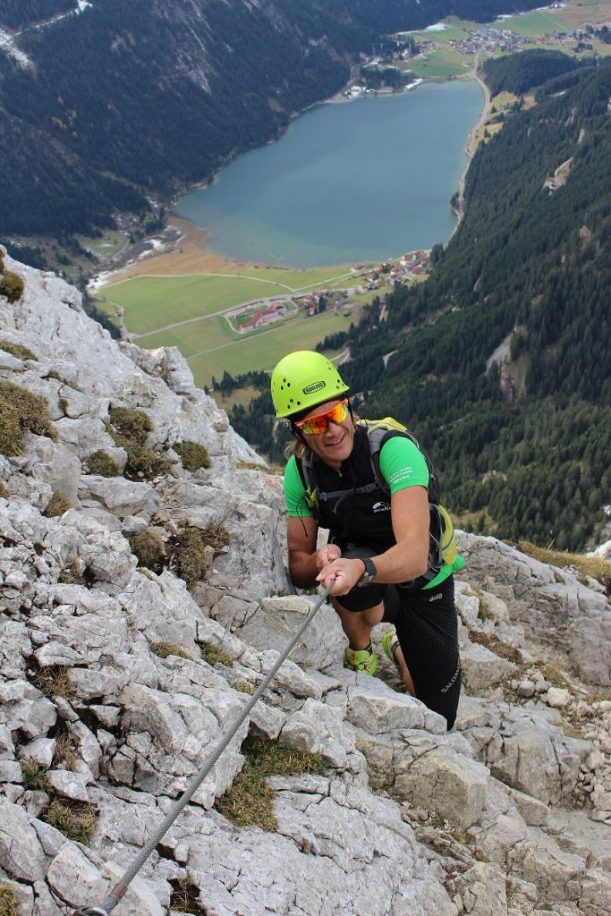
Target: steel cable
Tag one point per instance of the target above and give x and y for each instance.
(118, 891)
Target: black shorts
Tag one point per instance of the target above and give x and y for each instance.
(427, 628)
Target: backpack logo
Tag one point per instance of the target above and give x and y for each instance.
(315, 386)
(380, 507)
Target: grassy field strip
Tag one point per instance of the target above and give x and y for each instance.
(263, 349)
(209, 333)
(154, 302)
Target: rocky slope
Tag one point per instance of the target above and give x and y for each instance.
(117, 680)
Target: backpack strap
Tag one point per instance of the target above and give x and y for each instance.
(313, 496)
(442, 545)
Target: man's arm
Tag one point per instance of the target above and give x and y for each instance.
(405, 560)
(304, 560)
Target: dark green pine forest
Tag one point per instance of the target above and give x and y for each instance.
(501, 361)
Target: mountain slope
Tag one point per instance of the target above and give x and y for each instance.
(123, 668)
(501, 359)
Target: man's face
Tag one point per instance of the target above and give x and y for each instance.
(328, 430)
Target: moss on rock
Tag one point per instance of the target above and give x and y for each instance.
(193, 455)
(102, 464)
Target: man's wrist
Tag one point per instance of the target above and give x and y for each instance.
(369, 572)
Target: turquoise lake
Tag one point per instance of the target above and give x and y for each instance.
(361, 180)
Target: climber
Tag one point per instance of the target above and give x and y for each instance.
(389, 554)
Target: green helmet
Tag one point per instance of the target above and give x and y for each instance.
(302, 380)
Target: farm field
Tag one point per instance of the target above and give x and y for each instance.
(263, 349)
(149, 303)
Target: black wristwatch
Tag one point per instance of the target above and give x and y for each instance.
(369, 574)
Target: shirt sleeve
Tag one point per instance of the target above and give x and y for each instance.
(294, 491)
(402, 464)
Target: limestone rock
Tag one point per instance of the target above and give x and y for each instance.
(143, 678)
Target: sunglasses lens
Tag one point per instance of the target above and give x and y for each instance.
(314, 426)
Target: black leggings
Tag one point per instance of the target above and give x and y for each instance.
(427, 628)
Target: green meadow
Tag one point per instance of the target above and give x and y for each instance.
(150, 303)
(187, 312)
(264, 348)
(535, 24)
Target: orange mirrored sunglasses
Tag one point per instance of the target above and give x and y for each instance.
(318, 424)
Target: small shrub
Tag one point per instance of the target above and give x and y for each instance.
(249, 801)
(215, 656)
(11, 286)
(216, 536)
(34, 776)
(102, 464)
(165, 649)
(20, 411)
(9, 904)
(17, 350)
(150, 549)
(192, 455)
(57, 505)
(4, 494)
(130, 424)
(76, 820)
(190, 556)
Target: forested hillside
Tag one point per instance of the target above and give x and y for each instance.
(521, 441)
(123, 104)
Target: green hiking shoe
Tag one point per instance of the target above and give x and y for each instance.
(390, 644)
(364, 660)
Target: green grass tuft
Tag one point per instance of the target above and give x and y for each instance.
(76, 820)
(11, 286)
(9, 904)
(216, 656)
(193, 455)
(596, 567)
(57, 505)
(102, 464)
(130, 424)
(150, 549)
(249, 801)
(190, 556)
(20, 411)
(216, 536)
(34, 776)
(17, 350)
(165, 649)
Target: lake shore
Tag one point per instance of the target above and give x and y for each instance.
(182, 248)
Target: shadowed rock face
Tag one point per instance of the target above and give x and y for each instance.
(116, 682)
